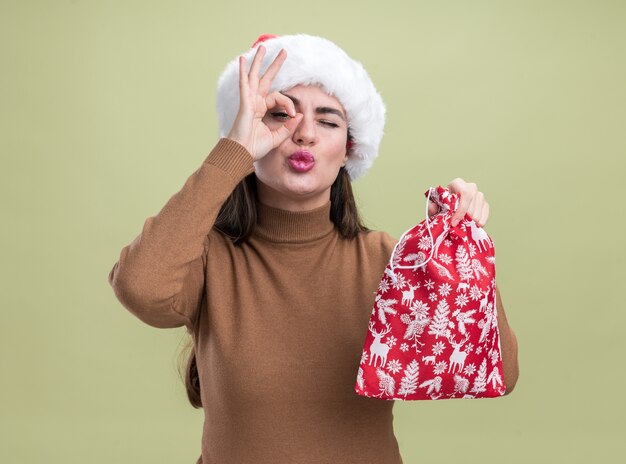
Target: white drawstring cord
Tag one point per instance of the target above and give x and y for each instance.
(432, 248)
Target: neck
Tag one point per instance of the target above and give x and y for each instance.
(281, 225)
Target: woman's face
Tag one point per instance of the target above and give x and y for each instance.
(303, 181)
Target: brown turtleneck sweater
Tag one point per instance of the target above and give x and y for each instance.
(281, 324)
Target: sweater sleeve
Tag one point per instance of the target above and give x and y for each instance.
(160, 275)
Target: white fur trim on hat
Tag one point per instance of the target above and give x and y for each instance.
(315, 60)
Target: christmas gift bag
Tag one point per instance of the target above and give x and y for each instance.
(433, 331)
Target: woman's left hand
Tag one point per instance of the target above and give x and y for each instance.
(471, 201)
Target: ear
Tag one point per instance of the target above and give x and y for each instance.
(349, 144)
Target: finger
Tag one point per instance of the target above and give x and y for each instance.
(275, 99)
(253, 76)
(243, 69)
(476, 207)
(460, 189)
(243, 78)
(484, 215)
(456, 183)
(463, 189)
(272, 70)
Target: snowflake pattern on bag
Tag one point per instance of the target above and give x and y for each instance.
(433, 332)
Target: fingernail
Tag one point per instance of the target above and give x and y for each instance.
(455, 221)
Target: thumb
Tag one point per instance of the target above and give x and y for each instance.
(457, 218)
(433, 208)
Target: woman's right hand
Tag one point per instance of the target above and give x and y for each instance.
(249, 129)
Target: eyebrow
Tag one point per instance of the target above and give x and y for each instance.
(319, 109)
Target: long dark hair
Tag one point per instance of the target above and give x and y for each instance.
(237, 218)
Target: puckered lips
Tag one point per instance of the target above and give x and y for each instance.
(301, 161)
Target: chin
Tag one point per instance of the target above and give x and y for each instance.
(304, 191)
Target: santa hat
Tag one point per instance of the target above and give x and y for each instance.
(314, 60)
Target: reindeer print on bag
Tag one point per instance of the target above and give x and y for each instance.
(433, 331)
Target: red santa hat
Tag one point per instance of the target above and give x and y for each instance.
(313, 60)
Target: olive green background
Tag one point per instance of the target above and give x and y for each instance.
(107, 107)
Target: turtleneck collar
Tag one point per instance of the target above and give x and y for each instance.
(280, 225)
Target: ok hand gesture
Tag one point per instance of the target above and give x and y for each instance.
(249, 129)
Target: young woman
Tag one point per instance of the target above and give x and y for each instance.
(263, 257)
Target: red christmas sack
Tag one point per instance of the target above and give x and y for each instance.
(433, 332)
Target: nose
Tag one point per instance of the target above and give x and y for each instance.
(305, 133)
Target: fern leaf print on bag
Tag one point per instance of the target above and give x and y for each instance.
(433, 331)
